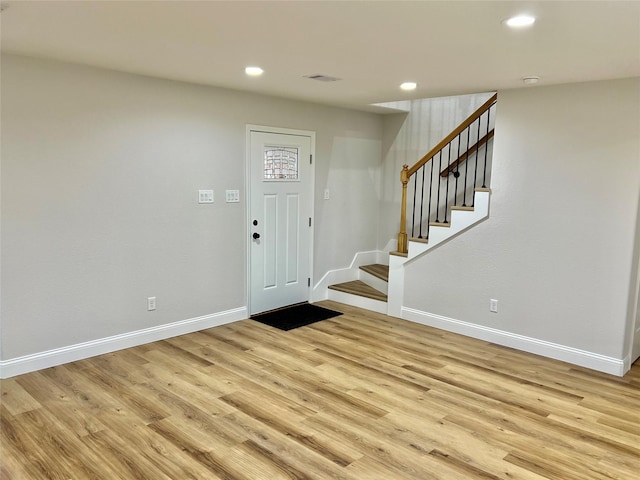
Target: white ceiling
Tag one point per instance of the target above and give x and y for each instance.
(448, 47)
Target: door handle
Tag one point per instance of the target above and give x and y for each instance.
(256, 235)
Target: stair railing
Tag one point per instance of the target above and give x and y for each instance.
(461, 148)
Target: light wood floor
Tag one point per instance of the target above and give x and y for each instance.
(359, 397)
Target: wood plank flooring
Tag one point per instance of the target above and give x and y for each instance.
(361, 396)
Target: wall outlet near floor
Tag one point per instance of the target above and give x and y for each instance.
(151, 303)
(327, 194)
(493, 305)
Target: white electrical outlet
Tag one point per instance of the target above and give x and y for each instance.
(232, 196)
(205, 196)
(327, 194)
(151, 303)
(493, 305)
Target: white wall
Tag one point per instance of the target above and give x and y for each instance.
(557, 249)
(100, 172)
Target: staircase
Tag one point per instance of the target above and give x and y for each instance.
(369, 291)
(380, 288)
(449, 192)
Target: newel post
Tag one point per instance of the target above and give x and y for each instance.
(402, 236)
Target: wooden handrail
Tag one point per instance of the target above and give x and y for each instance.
(458, 130)
(407, 172)
(463, 156)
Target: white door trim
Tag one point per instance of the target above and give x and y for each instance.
(284, 131)
(634, 340)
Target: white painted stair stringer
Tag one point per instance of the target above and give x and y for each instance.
(358, 301)
(461, 220)
(321, 291)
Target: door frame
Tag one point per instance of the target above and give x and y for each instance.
(634, 336)
(632, 349)
(282, 131)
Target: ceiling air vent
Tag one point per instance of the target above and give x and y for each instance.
(322, 78)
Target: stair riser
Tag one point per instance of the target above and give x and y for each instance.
(373, 281)
(358, 301)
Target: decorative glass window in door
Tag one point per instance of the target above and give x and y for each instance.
(280, 163)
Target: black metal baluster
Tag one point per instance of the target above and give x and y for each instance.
(446, 197)
(475, 166)
(439, 183)
(421, 201)
(430, 191)
(486, 150)
(456, 174)
(413, 214)
(466, 168)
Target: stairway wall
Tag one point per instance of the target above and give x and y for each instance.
(557, 249)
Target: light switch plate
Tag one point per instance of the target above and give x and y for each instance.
(232, 196)
(205, 196)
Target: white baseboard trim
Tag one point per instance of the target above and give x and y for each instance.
(80, 351)
(626, 364)
(583, 358)
(341, 275)
(358, 301)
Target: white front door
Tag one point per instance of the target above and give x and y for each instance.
(281, 206)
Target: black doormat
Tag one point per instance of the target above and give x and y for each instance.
(295, 316)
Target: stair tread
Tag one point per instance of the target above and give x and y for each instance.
(357, 287)
(463, 209)
(377, 270)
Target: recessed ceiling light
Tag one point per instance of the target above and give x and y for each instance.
(520, 21)
(409, 86)
(253, 71)
(530, 80)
